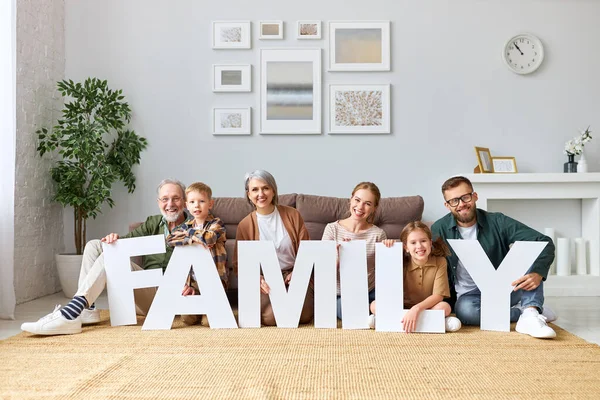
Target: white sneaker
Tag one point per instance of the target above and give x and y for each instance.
(549, 314)
(53, 324)
(90, 316)
(452, 324)
(533, 324)
(372, 321)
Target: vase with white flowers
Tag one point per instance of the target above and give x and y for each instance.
(575, 147)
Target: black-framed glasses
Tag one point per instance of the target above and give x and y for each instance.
(465, 198)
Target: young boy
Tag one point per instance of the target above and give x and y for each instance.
(204, 229)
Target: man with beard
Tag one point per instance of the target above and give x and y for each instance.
(92, 277)
(495, 232)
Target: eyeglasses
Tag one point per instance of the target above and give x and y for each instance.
(465, 198)
(165, 200)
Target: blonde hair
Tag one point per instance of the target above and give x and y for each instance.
(373, 189)
(199, 187)
(439, 248)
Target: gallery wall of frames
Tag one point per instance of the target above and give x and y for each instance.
(290, 87)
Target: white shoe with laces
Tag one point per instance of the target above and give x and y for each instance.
(89, 316)
(53, 324)
(372, 321)
(533, 324)
(453, 324)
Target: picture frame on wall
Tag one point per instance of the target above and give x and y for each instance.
(504, 165)
(231, 35)
(232, 121)
(484, 160)
(359, 46)
(270, 30)
(232, 78)
(290, 91)
(359, 109)
(308, 30)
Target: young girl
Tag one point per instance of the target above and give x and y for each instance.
(359, 226)
(425, 276)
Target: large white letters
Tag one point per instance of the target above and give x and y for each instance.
(495, 284)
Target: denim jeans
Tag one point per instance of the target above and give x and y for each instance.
(339, 303)
(468, 306)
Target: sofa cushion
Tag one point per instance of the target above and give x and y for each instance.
(392, 214)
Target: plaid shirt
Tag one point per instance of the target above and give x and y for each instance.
(211, 235)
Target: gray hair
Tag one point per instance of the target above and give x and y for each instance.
(266, 177)
(171, 182)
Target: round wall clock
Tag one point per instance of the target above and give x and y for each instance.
(523, 53)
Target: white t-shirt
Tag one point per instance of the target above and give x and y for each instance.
(270, 227)
(464, 283)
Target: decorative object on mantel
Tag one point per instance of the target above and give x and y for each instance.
(484, 161)
(575, 147)
(504, 165)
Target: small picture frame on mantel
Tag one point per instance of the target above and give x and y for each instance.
(504, 165)
(484, 161)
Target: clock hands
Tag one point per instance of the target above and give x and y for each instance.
(515, 43)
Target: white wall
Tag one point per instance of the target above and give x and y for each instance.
(7, 156)
(450, 91)
(38, 220)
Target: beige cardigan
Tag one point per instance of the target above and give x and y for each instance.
(292, 220)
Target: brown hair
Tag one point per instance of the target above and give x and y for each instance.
(375, 190)
(439, 248)
(199, 187)
(454, 182)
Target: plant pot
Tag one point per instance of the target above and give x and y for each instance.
(68, 266)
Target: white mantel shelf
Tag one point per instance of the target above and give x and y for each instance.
(533, 186)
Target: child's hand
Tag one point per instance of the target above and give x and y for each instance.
(388, 242)
(264, 287)
(188, 291)
(410, 320)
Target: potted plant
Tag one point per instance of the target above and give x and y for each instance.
(95, 150)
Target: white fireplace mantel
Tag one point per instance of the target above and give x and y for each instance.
(583, 186)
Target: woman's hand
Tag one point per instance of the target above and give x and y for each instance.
(188, 291)
(287, 279)
(110, 238)
(410, 319)
(264, 287)
(388, 242)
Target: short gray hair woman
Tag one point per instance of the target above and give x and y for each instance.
(266, 177)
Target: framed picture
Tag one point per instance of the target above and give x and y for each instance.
(271, 30)
(231, 34)
(359, 109)
(308, 30)
(232, 121)
(484, 160)
(232, 78)
(359, 46)
(290, 91)
(504, 165)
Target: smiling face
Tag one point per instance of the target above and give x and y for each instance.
(261, 195)
(418, 245)
(199, 205)
(362, 205)
(463, 212)
(171, 202)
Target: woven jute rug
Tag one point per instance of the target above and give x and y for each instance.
(107, 362)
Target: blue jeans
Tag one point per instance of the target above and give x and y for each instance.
(339, 303)
(468, 306)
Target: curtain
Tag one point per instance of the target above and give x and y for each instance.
(7, 156)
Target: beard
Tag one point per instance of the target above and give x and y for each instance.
(465, 218)
(172, 216)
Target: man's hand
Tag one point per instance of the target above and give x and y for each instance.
(527, 282)
(410, 319)
(264, 287)
(188, 291)
(110, 238)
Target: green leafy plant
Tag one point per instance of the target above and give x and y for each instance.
(88, 164)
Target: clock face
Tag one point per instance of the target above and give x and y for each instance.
(523, 53)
